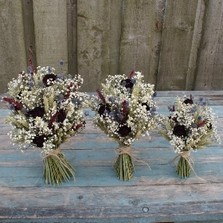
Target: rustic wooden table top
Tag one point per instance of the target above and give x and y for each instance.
(96, 195)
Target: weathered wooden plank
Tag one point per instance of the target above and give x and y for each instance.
(101, 174)
(105, 155)
(50, 20)
(210, 64)
(12, 49)
(98, 37)
(120, 220)
(195, 45)
(136, 201)
(196, 93)
(25, 169)
(113, 37)
(29, 34)
(141, 37)
(72, 36)
(176, 44)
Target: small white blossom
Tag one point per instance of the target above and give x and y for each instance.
(46, 108)
(190, 126)
(125, 107)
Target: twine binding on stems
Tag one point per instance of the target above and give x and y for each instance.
(55, 153)
(186, 155)
(128, 150)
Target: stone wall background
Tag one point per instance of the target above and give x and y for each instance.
(178, 45)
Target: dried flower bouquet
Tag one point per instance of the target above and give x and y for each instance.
(45, 111)
(124, 110)
(190, 126)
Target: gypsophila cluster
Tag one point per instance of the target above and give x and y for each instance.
(190, 126)
(124, 107)
(46, 108)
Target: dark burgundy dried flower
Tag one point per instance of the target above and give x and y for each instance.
(58, 117)
(124, 131)
(147, 106)
(47, 78)
(15, 105)
(128, 83)
(131, 74)
(180, 131)
(189, 100)
(125, 111)
(52, 120)
(76, 127)
(61, 115)
(101, 96)
(39, 140)
(174, 119)
(38, 111)
(103, 109)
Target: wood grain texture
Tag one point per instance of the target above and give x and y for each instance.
(210, 62)
(29, 33)
(50, 18)
(98, 40)
(12, 47)
(110, 203)
(195, 46)
(141, 37)
(72, 36)
(176, 44)
(96, 195)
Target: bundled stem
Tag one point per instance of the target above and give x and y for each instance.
(57, 169)
(184, 167)
(124, 166)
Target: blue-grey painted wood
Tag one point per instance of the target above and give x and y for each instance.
(96, 195)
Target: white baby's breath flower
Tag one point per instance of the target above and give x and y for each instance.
(124, 108)
(190, 126)
(44, 113)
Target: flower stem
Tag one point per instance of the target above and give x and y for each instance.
(124, 167)
(183, 167)
(57, 169)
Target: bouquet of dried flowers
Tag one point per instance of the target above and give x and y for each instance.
(124, 110)
(189, 127)
(45, 111)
